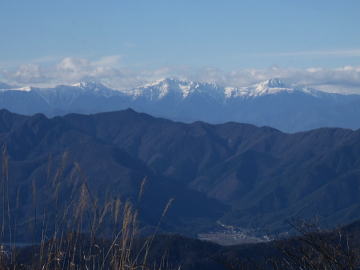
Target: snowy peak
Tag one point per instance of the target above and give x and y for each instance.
(90, 85)
(267, 87)
(96, 88)
(173, 88)
(68, 94)
(275, 83)
(271, 86)
(277, 86)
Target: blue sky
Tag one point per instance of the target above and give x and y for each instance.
(227, 35)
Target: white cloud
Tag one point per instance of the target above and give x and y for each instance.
(334, 53)
(110, 70)
(28, 73)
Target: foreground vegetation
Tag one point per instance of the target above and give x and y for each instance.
(69, 235)
(87, 233)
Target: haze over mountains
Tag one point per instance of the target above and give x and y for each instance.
(237, 174)
(269, 103)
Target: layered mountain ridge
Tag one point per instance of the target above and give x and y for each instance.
(237, 174)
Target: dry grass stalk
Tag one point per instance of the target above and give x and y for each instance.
(63, 245)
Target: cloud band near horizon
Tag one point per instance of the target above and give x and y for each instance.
(111, 71)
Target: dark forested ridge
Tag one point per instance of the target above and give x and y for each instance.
(237, 173)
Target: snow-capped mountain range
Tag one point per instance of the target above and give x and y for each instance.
(271, 103)
(185, 89)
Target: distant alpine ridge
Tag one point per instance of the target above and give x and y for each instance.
(269, 103)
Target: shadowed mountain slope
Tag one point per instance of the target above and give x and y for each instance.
(237, 173)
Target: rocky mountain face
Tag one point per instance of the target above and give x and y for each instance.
(269, 103)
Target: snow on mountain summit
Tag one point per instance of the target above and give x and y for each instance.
(186, 89)
(272, 102)
(95, 87)
(90, 85)
(170, 87)
(271, 86)
(174, 89)
(275, 83)
(277, 86)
